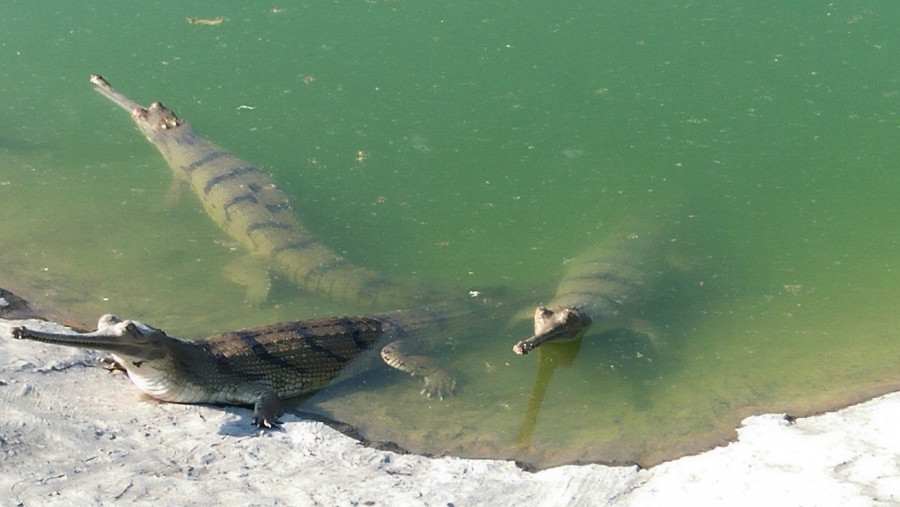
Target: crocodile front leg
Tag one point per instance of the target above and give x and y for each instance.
(266, 410)
(438, 382)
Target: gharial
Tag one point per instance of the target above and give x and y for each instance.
(603, 288)
(261, 366)
(248, 205)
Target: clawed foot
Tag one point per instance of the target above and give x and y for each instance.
(265, 423)
(439, 384)
(266, 410)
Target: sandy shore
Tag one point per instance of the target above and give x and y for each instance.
(72, 433)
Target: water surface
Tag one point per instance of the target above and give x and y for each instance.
(480, 145)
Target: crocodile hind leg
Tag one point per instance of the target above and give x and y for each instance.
(438, 382)
(252, 274)
(654, 334)
(266, 405)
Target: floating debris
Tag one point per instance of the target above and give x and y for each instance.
(206, 21)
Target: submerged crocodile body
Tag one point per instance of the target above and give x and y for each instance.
(601, 287)
(261, 366)
(253, 210)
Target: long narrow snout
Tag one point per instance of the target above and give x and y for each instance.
(556, 324)
(105, 89)
(124, 337)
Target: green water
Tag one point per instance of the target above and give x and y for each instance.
(480, 145)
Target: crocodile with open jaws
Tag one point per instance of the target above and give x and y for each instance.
(601, 287)
(253, 210)
(261, 366)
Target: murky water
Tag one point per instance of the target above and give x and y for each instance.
(481, 146)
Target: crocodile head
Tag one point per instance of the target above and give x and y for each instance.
(125, 339)
(554, 324)
(151, 120)
(154, 119)
(146, 353)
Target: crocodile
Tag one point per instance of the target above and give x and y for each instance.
(600, 287)
(248, 205)
(263, 365)
(13, 306)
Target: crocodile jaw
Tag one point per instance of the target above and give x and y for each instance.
(127, 339)
(554, 324)
(141, 350)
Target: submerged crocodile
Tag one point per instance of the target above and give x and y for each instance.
(253, 210)
(263, 365)
(600, 287)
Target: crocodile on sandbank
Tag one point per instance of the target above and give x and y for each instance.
(248, 205)
(261, 366)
